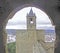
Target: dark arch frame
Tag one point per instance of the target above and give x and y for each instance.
(12, 13)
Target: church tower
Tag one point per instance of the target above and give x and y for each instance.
(31, 20)
(26, 39)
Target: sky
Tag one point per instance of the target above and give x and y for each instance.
(19, 19)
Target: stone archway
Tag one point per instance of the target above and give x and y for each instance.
(49, 6)
(16, 10)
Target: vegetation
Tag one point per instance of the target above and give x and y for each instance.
(11, 47)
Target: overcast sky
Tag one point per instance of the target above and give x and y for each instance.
(19, 19)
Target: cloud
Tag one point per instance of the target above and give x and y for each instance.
(20, 18)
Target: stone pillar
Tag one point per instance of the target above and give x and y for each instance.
(2, 44)
(57, 43)
(5, 40)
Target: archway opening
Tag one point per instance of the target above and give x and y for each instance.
(19, 22)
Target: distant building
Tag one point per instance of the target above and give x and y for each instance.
(50, 35)
(11, 35)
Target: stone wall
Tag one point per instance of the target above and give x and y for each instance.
(25, 40)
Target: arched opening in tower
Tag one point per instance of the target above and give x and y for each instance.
(33, 21)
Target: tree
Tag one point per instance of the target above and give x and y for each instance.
(11, 47)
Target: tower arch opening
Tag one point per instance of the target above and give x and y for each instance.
(41, 21)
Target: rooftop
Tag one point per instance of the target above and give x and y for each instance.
(31, 13)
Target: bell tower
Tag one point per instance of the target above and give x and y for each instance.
(31, 20)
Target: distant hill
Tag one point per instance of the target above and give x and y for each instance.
(11, 31)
